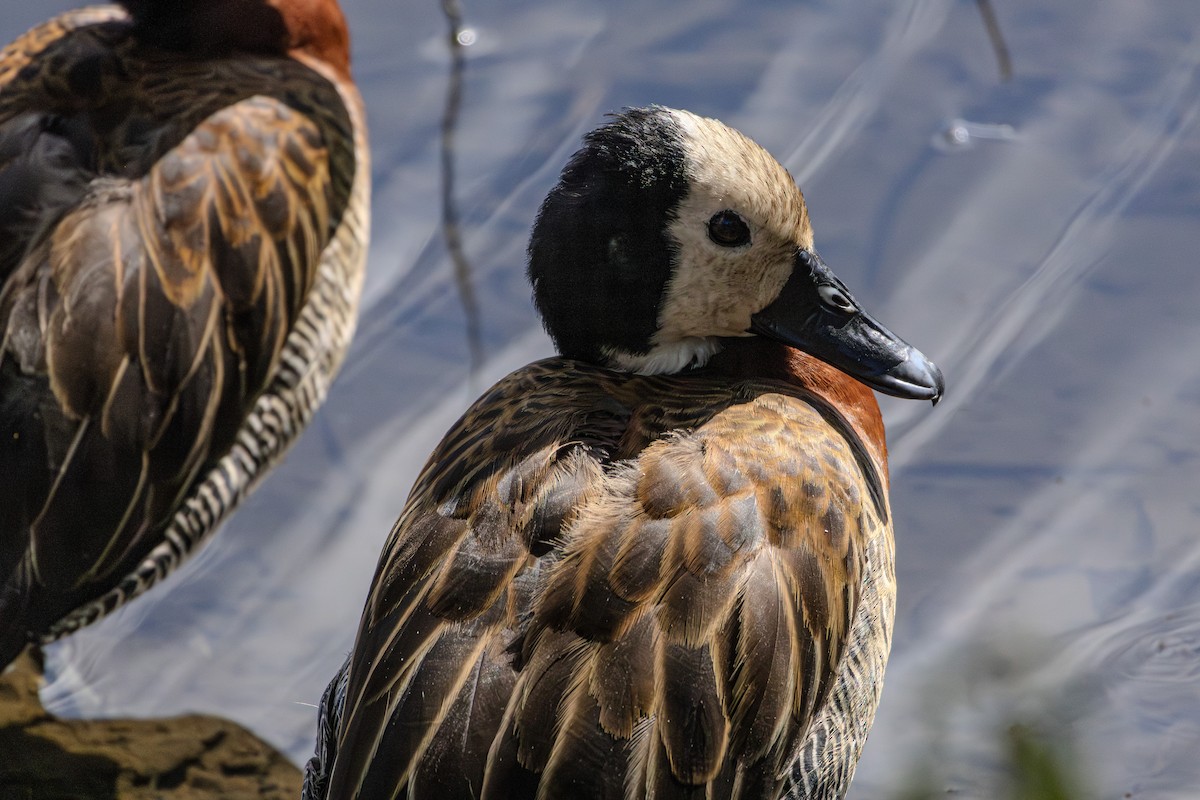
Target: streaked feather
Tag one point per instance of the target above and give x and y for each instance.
(455, 760)
(183, 245)
(689, 716)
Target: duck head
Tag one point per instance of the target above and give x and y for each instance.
(670, 234)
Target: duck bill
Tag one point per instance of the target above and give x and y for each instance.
(815, 313)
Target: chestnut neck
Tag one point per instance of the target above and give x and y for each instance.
(756, 357)
(316, 28)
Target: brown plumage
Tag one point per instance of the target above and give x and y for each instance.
(616, 585)
(183, 219)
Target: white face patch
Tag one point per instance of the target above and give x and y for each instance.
(714, 290)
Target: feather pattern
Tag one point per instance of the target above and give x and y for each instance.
(184, 239)
(679, 635)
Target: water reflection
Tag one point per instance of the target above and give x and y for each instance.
(459, 38)
(996, 37)
(959, 134)
(1049, 506)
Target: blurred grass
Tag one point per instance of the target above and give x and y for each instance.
(990, 727)
(1032, 767)
(1040, 770)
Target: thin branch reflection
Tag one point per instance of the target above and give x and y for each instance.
(459, 38)
(996, 36)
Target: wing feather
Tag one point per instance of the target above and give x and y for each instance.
(455, 761)
(421, 707)
(638, 566)
(689, 715)
(765, 662)
(672, 622)
(622, 678)
(583, 753)
(480, 567)
(558, 659)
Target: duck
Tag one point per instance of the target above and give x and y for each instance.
(661, 563)
(184, 216)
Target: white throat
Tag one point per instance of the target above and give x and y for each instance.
(666, 359)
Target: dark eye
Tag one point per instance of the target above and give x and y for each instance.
(728, 229)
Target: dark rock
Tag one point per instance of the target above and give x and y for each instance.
(46, 758)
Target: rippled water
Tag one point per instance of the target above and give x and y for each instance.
(1038, 237)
